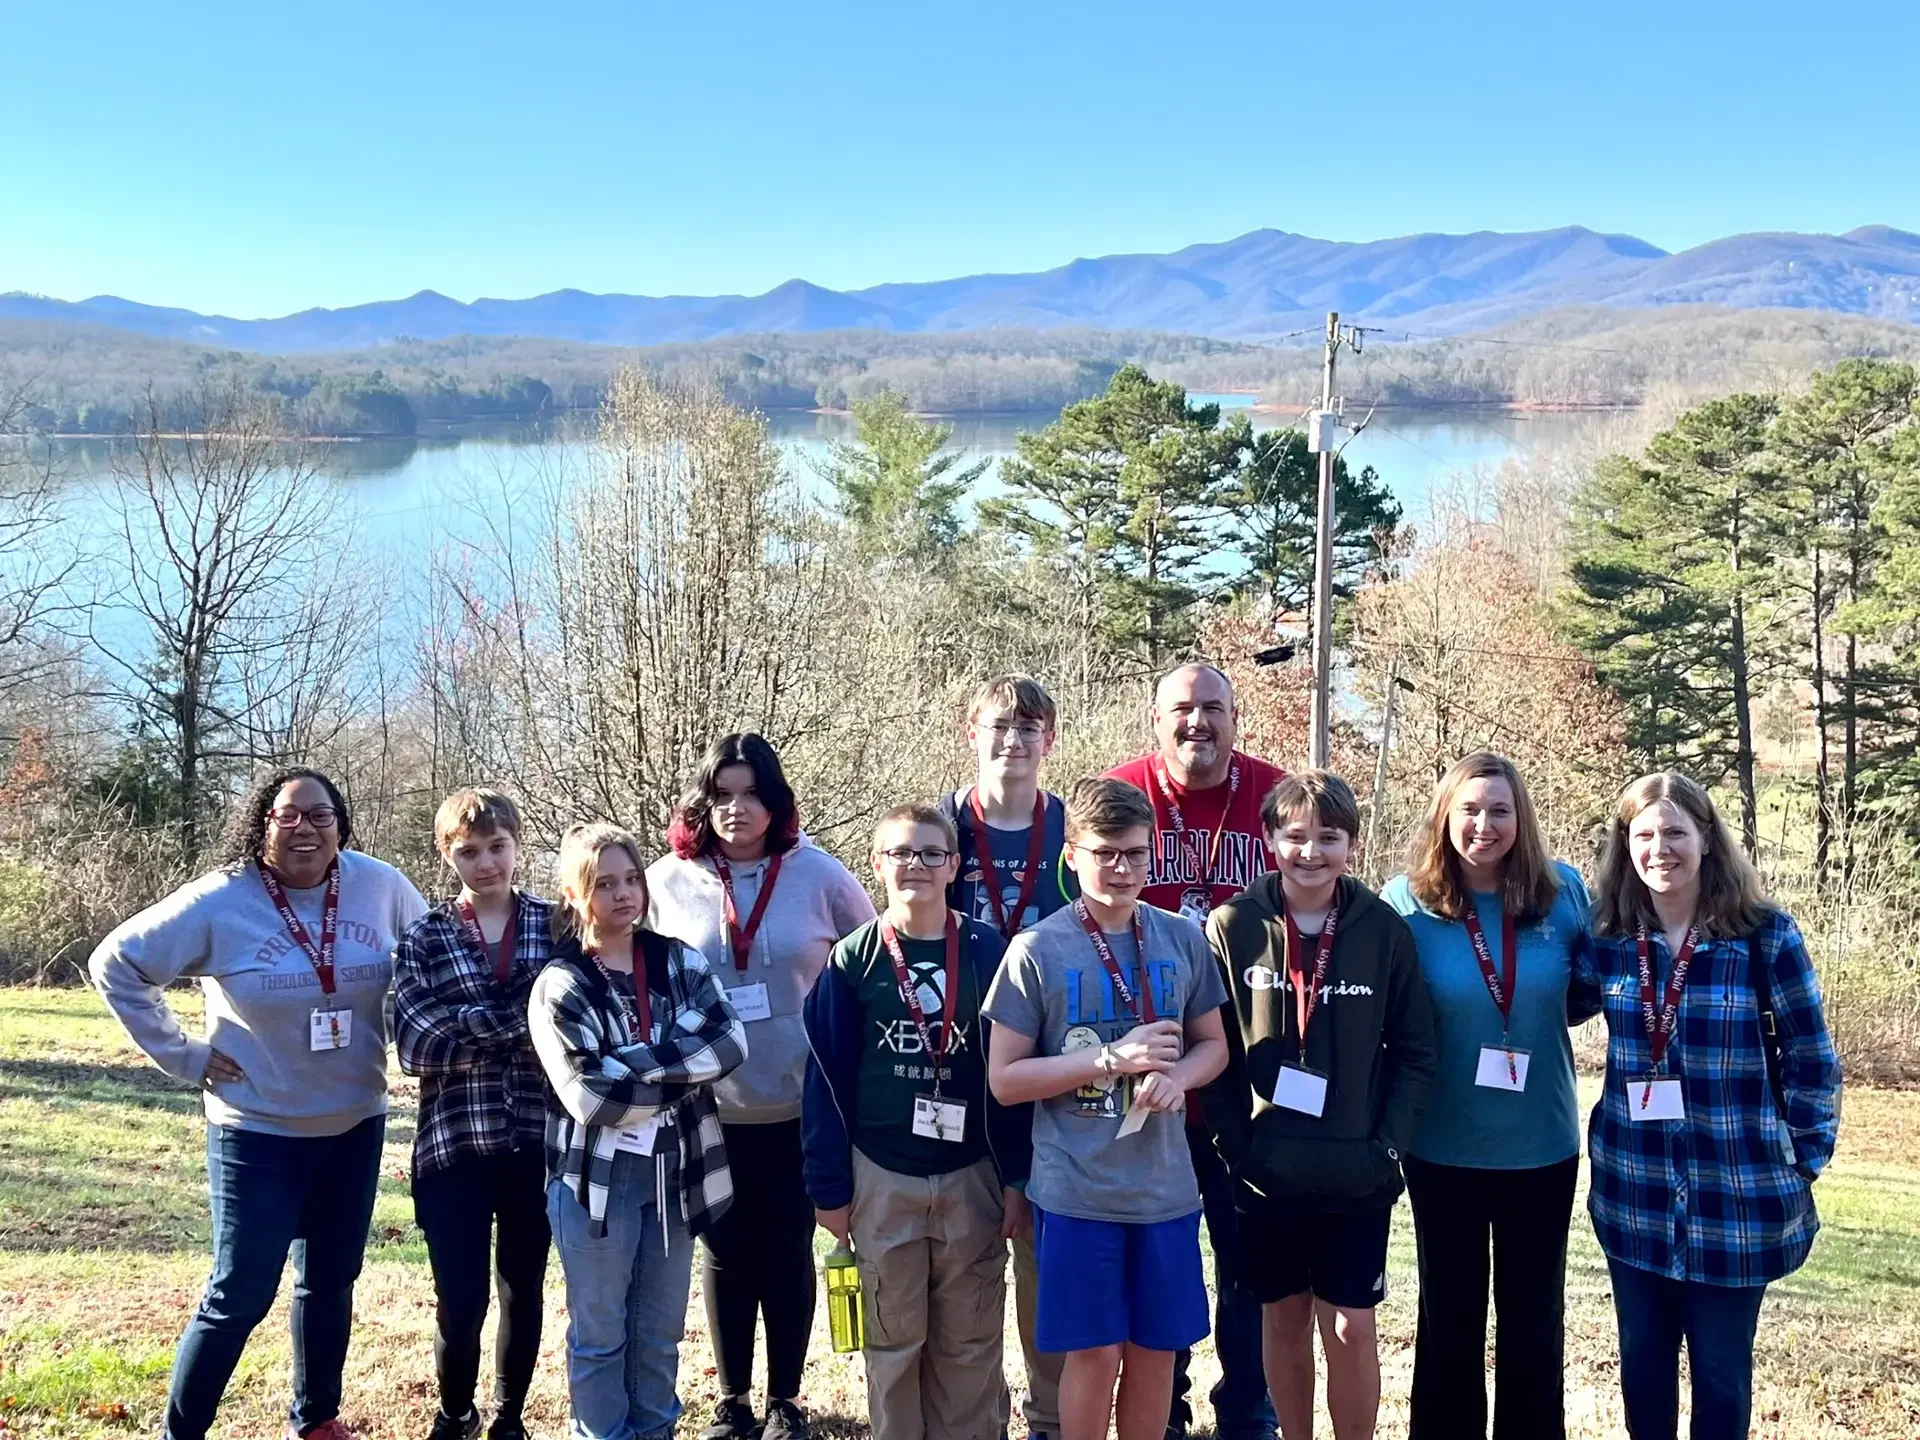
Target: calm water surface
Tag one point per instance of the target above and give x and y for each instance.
(413, 497)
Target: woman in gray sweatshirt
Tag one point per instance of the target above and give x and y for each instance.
(291, 940)
(765, 906)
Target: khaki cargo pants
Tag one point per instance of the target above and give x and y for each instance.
(933, 1267)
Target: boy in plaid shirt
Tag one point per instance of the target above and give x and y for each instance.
(462, 976)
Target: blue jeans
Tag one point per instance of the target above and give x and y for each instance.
(311, 1196)
(626, 1305)
(1241, 1405)
(1717, 1322)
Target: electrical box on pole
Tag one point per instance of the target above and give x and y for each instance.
(1322, 429)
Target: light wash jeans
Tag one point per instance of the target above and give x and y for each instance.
(626, 1305)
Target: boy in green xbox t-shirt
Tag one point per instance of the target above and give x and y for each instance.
(905, 1154)
(1105, 1015)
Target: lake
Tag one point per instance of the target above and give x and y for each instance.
(417, 493)
(415, 496)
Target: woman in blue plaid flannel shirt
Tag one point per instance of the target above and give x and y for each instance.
(1704, 1149)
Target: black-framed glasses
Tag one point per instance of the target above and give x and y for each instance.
(288, 817)
(905, 856)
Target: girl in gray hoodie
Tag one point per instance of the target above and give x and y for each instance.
(765, 906)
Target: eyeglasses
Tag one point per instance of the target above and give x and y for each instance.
(1028, 732)
(1114, 859)
(288, 817)
(903, 857)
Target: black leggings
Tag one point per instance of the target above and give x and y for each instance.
(457, 1207)
(759, 1262)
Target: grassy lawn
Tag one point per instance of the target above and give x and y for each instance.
(103, 1234)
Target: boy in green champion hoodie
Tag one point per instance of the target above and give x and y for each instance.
(1313, 1129)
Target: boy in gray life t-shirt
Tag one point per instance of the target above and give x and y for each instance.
(1054, 987)
(1105, 1015)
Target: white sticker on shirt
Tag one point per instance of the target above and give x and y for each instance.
(329, 1029)
(1501, 1068)
(1655, 1098)
(1301, 1090)
(751, 1002)
(939, 1119)
(637, 1139)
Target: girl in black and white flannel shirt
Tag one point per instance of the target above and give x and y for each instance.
(632, 1031)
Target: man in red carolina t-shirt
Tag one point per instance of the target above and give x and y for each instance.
(1194, 779)
(1207, 847)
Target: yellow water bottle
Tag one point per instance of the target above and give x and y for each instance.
(846, 1306)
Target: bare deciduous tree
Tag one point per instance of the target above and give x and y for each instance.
(231, 547)
(37, 557)
(678, 588)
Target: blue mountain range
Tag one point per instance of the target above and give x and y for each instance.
(1257, 287)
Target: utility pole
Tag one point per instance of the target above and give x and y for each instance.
(1320, 438)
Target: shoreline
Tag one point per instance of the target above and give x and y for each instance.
(455, 431)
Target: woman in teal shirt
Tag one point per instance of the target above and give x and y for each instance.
(1491, 1172)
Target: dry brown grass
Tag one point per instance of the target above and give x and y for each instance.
(103, 1228)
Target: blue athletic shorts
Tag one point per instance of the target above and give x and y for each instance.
(1103, 1282)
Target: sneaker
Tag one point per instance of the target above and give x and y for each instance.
(507, 1427)
(732, 1420)
(785, 1421)
(446, 1427)
(325, 1430)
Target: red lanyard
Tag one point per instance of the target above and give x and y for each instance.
(983, 852)
(1662, 1023)
(641, 1023)
(476, 937)
(1306, 996)
(1165, 783)
(322, 957)
(1499, 985)
(1141, 1005)
(742, 940)
(910, 994)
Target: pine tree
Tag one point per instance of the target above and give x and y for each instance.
(1671, 553)
(1125, 490)
(1274, 516)
(1834, 441)
(894, 485)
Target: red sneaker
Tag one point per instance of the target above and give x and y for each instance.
(325, 1430)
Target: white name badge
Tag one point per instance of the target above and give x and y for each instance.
(1655, 1098)
(939, 1119)
(637, 1139)
(750, 1002)
(1501, 1068)
(1302, 1090)
(329, 1029)
(1135, 1122)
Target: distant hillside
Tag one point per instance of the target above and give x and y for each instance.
(88, 378)
(1255, 288)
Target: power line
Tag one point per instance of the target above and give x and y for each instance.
(1408, 648)
(1492, 340)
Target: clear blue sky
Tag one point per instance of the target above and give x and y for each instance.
(253, 159)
